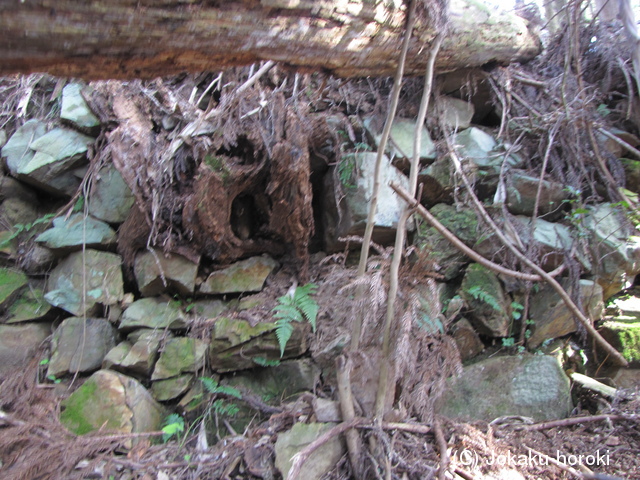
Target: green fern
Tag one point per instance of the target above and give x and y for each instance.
(214, 388)
(297, 308)
(479, 294)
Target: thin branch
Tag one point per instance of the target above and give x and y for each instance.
(368, 232)
(542, 275)
(354, 444)
(442, 446)
(300, 457)
(620, 142)
(475, 256)
(568, 422)
(384, 383)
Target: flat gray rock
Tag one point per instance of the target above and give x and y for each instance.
(85, 279)
(18, 344)
(152, 270)
(156, 313)
(77, 231)
(525, 385)
(74, 108)
(244, 276)
(80, 344)
(110, 199)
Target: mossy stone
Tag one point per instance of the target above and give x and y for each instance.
(11, 282)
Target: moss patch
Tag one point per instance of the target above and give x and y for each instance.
(10, 283)
(98, 403)
(624, 335)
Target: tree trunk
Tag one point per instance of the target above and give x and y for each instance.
(142, 38)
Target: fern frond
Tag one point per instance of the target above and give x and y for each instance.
(287, 312)
(284, 330)
(479, 294)
(309, 308)
(230, 391)
(209, 384)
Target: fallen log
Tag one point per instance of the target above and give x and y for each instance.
(145, 39)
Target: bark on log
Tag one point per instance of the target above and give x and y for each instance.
(148, 38)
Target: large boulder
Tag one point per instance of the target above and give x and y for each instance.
(55, 155)
(180, 355)
(85, 279)
(550, 316)
(241, 277)
(157, 273)
(77, 232)
(526, 385)
(11, 283)
(522, 192)
(346, 213)
(80, 344)
(29, 304)
(138, 355)
(552, 242)
(112, 402)
(286, 380)
(171, 388)
(467, 339)
(623, 333)
(16, 151)
(18, 344)
(455, 113)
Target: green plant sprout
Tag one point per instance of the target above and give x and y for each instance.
(19, 228)
(173, 425)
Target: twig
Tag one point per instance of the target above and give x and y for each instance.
(594, 385)
(300, 457)
(368, 232)
(529, 81)
(383, 380)
(542, 275)
(475, 256)
(442, 446)
(555, 462)
(354, 444)
(464, 474)
(620, 142)
(567, 422)
(358, 422)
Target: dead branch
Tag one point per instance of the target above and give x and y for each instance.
(442, 446)
(300, 457)
(383, 381)
(542, 275)
(354, 444)
(620, 142)
(393, 105)
(475, 256)
(594, 385)
(567, 422)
